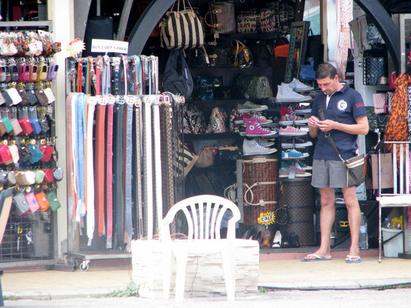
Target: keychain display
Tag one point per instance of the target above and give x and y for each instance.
(28, 157)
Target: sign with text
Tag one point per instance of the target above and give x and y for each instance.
(105, 46)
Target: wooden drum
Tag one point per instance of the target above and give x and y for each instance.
(259, 175)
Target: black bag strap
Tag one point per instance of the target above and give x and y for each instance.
(327, 134)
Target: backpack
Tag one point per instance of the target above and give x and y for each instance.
(177, 78)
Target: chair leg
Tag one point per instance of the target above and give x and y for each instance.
(180, 276)
(228, 259)
(379, 235)
(168, 258)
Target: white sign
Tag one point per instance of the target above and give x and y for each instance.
(104, 46)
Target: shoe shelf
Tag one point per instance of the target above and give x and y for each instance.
(211, 136)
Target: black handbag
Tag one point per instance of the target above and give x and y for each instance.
(177, 78)
(226, 156)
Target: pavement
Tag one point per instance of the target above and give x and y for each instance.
(291, 274)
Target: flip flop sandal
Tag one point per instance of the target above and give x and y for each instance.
(352, 259)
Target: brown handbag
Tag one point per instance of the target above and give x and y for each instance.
(206, 157)
(222, 15)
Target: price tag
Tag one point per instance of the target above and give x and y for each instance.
(105, 46)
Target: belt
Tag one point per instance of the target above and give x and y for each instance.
(109, 170)
(91, 104)
(100, 163)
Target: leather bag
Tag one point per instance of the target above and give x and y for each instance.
(222, 15)
(177, 78)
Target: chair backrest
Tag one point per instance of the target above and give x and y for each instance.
(204, 214)
(400, 168)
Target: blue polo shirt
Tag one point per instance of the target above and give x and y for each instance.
(344, 106)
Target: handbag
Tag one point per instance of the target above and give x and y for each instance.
(20, 203)
(181, 29)
(53, 201)
(380, 103)
(206, 157)
(226, 155)
(32, 202)
(307, 72)
(42, 200)
(356, 169)
(247, 21)
(222, 15)
(218, 120)
(242, 54)
(177, 78)
(255, 86)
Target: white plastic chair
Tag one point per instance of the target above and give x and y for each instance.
(400, 197)
(204, 214)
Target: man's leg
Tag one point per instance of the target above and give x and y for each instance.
(327, 217)
(354, 218)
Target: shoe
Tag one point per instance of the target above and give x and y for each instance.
(264, 143)
(289, 143)
(292, 172)
(277, 240)
(298, 164)
(251, 147)
(286, 94)
(266, 239)
(293, 154)
(352, 259)
(292, 131)
(299, 86)
(249, 106)
(299, 109)
(285, 240)
(303, 166)
(294, 241)
(315, 257)
(254, 129)
(290, 119)
(260, 119)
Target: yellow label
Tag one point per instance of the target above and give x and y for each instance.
(266, 218)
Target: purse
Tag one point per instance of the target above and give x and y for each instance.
(42, 200)
(177, 78)
(20, 203)
(247, 21)
(242, 54)
(380, 103)
(181, 29)
(356, 169)
(32, 202)
(226, 155)
(222, 17)
(206, 157)
(53, 201)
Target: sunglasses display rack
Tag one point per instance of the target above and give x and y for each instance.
(121, 147)
(28, 157)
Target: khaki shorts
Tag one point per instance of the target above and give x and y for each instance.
(329, 173)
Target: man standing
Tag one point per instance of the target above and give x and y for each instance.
(345, 118)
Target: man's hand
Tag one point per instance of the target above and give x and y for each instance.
(326, 125)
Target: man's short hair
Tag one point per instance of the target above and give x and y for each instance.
(325, 70)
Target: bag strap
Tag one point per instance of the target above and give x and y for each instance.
(327, 134)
